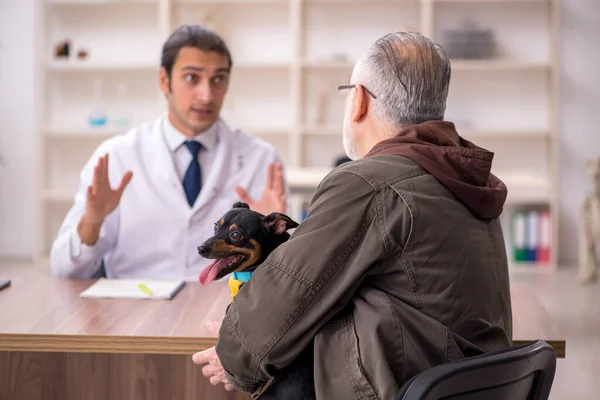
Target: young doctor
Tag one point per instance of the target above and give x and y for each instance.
(148, 198)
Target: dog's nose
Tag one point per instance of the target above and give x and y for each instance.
(203, 250)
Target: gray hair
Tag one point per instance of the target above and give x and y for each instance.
(409, 74)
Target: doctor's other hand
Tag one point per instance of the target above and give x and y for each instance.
(101, 201)
(273, 197)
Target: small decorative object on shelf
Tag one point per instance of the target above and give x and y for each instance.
(121, 119)
(469, 42)
(590, 225)
(63, 49)
(97, 114)
(82, 54)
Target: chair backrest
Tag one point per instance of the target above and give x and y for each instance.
(518, 373)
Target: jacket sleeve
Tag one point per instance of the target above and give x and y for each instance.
(303, 283)
(69, 257)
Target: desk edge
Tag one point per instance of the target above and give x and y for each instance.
(104, 344)
(138, 344)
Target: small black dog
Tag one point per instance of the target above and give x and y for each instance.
(242, 241)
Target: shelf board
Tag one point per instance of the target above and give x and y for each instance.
(503, 134)
(524, 189)
(85, 65)
(83, 132)
(541, 197)
(58, 196)
(261, 65)
(328, 65)
(266, 130)
(529, 267)
(328, 130)
(306, 177)
(498, 65)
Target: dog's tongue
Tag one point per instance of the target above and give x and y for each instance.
(210, 272)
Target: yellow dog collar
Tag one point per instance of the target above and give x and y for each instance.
(236, 280)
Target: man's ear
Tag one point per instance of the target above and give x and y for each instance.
(241, 204)
(276, 223)
(358, 105)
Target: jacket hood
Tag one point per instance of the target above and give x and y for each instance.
(461, 166)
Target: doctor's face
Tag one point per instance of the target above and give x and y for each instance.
(196, 89)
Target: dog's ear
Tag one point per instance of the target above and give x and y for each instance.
(241, 204)
(276, 223)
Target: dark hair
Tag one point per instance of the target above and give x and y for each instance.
(196, 36)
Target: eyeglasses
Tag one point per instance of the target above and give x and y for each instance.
(342, 87)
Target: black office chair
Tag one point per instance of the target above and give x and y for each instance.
(519, 373)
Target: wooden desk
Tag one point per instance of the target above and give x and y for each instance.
(54, 345)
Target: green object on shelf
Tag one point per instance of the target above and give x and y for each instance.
(519, 236)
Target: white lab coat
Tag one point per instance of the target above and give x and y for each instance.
(154, 233)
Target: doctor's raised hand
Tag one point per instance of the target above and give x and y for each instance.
(100, 202)
(273, 197)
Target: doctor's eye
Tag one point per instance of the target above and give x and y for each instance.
(191, 78)
(236, 236)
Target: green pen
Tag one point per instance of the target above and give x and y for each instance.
(145, 289)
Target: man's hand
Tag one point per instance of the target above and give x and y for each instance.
(213, 370)
(273, 198)
(100, 202)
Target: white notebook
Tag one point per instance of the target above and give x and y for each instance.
(130, 289)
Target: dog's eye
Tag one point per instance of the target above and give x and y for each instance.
(216, 227)
(236, 236)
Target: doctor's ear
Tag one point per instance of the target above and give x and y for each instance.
(276, 223)
(164, 81)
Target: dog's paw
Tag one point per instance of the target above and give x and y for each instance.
(241, 204)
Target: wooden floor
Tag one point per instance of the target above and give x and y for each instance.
(573, 308)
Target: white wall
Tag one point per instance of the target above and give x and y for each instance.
(580, 103)
(17, 139)
(579, 137)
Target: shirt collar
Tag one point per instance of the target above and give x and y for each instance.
(175, 138)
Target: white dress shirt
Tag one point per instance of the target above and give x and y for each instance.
(182, 156)
(154, 233)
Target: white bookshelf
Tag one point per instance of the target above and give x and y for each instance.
(288, 55)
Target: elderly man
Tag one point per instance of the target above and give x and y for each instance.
(400, 264)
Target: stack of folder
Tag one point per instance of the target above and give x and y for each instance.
(531, 236)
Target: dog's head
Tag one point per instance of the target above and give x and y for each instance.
(243, 239)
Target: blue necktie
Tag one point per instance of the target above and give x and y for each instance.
(192, 181)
